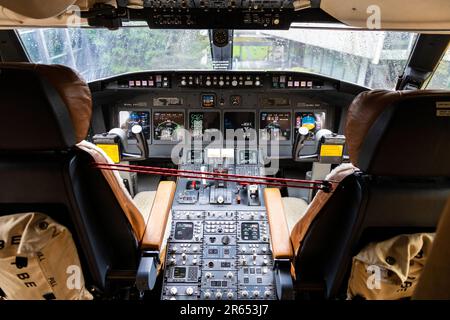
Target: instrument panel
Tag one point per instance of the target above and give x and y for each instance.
(262, 107)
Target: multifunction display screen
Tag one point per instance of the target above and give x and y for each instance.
(199, 122)
(275, 125)
(168, 126)
(127, 119)
(250, 231)
(239, 120)
(313, 121)
(184, 230)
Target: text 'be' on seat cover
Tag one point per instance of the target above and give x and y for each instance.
(38, 260)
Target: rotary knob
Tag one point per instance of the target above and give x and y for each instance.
(244, 293)
(256, 293)
(257, 83)
(207, 295)
(194, 262)
(183, 82)
(219, 295)
(234, 83)
(208, 83)
(225, 240)
(208, 275)
(189, 291)
(230, 275)
(267, 293)
(230, 295)
(221, 83)
(173, 291)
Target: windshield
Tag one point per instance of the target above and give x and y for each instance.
(441, 77)
(368, 58)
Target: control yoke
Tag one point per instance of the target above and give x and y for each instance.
(330, 146)
(119, 138)
(142, 145)
(300, 137)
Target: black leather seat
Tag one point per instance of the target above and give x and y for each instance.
(400, 141)
(45, 112)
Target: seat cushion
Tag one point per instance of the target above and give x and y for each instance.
(294, 210)
(144, 202)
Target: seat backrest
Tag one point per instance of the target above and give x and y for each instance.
(46, 112)
(434, 282)
(399, 141)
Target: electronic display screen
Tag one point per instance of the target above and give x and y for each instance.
(239, 120)
(127, 119)
(184, 230)
(218, 283)
(275, 125)
(248, 157)
(208, 100)
(168, 126)
(199, 122)
(313, 121)
(179, 272)
(250, 231)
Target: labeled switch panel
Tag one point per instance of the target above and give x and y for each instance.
(223, 255)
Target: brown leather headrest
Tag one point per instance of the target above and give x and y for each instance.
(73, 91)
(365, 110)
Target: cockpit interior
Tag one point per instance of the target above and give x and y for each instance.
(224, 150)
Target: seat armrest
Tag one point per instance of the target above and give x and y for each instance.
(156, 225)
(279, 231)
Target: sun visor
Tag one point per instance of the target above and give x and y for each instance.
(426, 15)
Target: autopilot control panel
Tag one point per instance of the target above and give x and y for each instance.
(219, 243)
